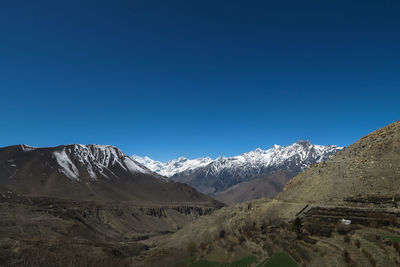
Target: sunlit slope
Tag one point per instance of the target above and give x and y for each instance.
(371, 166)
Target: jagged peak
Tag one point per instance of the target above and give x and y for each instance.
(256, 158)
(25, 147)
(303, 142)
(171, 167)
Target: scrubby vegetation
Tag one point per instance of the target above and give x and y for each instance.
(191, 248)
(346, 257)
(67, 252)
(370, 258)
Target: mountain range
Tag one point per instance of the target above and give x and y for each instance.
(93, 204)
(258, 173)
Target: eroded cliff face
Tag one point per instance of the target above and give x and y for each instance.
(121, 219)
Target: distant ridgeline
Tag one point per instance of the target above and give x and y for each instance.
(255, 174)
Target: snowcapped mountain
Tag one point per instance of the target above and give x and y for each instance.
(301, 154)
(88, 172)
(181, 165)
(212, 176)
(95, 161)
(98, 160)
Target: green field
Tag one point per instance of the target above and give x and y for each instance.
(243, 262)
(280, 259)
(393, 238)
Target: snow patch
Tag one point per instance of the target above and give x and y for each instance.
(27, 148)
(67, 167)
(133, 167)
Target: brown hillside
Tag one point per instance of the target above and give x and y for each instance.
(371, 166)
(266, 186)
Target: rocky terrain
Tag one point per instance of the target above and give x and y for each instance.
(369, 166)
(344, 212)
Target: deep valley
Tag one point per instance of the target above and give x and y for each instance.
(113, 211)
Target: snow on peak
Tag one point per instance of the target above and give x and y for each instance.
(303, 143)
(276, 155)
(302, 152)
(95, 159)
(180, 159)
(27, 148)
(172, 167)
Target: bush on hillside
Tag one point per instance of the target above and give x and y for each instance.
(191, 248)
(317, 229)
(357, 243)
(346, 256)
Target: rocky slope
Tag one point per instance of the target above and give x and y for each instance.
(91, 172)
(369, 166)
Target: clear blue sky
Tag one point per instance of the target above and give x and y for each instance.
(197, 78)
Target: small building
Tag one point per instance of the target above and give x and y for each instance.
(346, 222)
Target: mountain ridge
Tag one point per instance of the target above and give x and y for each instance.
(224, 172)
(172, 167)
(87, 172)
(176, 166)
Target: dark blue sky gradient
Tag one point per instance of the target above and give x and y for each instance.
(197, 78)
